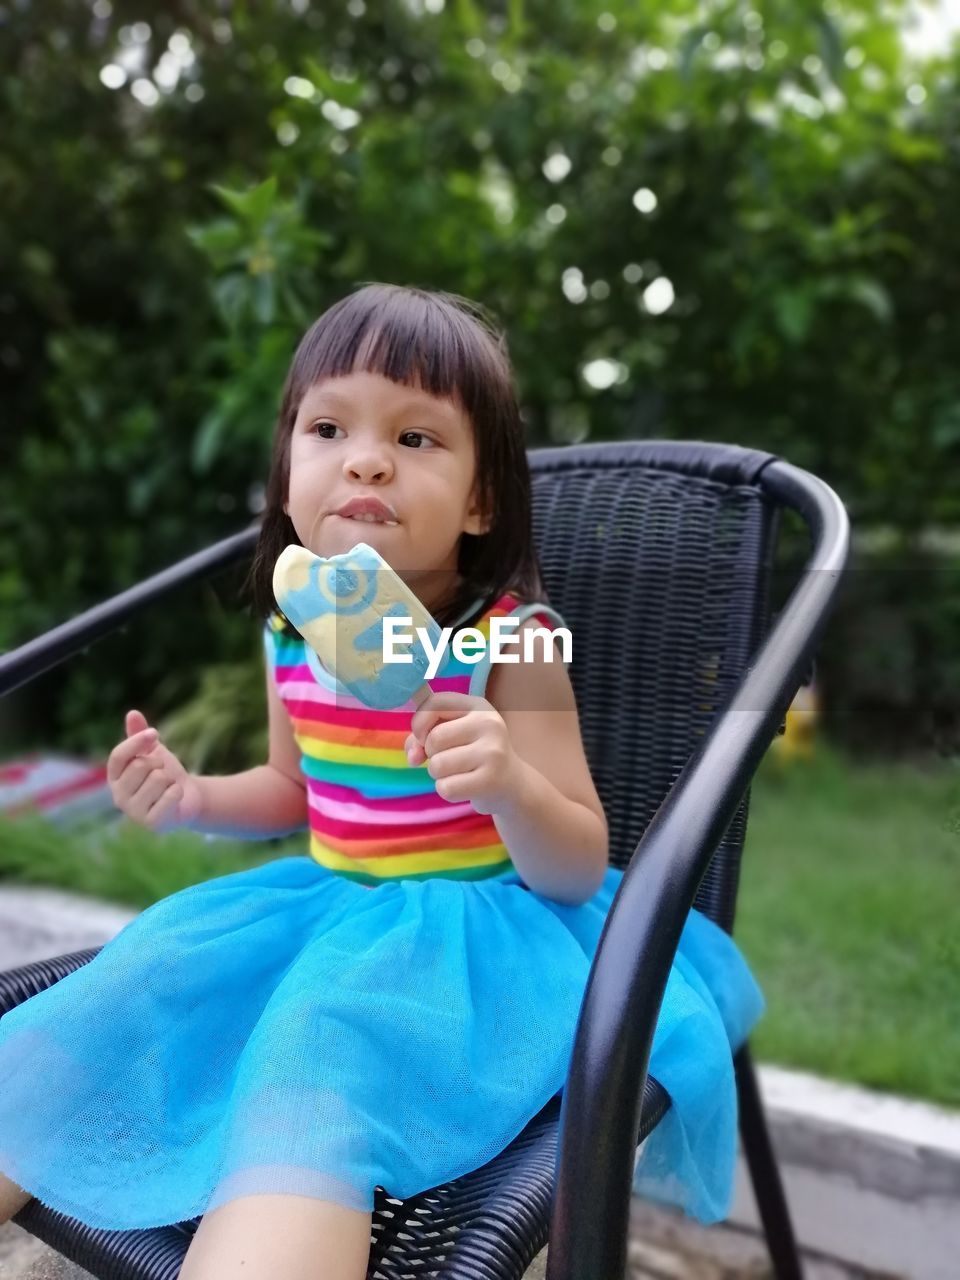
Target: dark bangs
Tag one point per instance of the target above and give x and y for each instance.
(448, 346)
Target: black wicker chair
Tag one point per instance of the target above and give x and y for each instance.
(659, 556)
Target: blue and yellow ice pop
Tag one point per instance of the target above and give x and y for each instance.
(339, 605)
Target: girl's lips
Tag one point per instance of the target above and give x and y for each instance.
(368, 504)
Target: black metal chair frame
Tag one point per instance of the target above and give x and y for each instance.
(493, 1222)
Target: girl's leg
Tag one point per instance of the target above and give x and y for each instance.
(12, 1198)
(266, 1236)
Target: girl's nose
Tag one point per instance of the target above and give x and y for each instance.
(369, 465)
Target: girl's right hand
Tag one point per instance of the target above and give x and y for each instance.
(147, 781)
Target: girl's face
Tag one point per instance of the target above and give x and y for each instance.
(363, 436)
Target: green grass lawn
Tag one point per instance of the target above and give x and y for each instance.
(124, 862)
(849, 910)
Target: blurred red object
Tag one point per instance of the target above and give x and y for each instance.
(56, 786)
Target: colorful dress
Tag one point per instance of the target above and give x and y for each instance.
(388, 1009)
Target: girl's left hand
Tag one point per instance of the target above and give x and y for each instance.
(467, 748)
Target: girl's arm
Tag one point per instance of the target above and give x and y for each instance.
(554, 827)
(268, 800)
(558, 846)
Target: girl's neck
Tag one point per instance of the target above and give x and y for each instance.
(435, 589)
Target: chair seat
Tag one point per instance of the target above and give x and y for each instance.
(490, 1223)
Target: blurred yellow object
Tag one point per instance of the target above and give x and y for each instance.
(797, 740)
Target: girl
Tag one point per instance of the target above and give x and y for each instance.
(392, 1007)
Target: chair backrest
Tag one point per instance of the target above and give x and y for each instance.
(658, 555)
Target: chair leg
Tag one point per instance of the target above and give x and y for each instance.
(764, 1174)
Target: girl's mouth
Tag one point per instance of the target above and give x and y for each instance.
(368, 519)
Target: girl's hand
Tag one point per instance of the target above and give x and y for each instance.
(467, 748)
(148, 783)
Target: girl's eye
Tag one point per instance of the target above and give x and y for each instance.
(420, 436)
(321, 428)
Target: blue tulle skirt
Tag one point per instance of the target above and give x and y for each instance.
(283, 1029)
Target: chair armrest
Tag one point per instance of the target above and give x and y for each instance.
(36, 656)
(17, 985)
(608, 1068)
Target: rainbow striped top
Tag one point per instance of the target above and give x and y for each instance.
(374, 817)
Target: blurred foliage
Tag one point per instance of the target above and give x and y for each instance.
(224, 726)
(722, 221)
(893, 660)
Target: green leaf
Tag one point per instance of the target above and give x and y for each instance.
(232, 294)
(217, 239)
(469, 17)
(206, 443)
(37, 259)
(517, 22)
(872, 295)
(863, 290)
(831, 47)
(349, 93)
(793, 309)
(946, 427)
(263, 299)
(687, 51)
(255, 205)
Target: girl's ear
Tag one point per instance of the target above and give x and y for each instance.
(479, 512)
(477, 520)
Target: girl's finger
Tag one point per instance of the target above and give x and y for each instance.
(457, 787)
(136, 774)
(456, 760)
(128, 750)
(164, 808)
(134, 722)
(449, 733)
(440, 706)
(150, 791)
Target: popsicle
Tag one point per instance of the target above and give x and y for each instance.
(339, 604)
